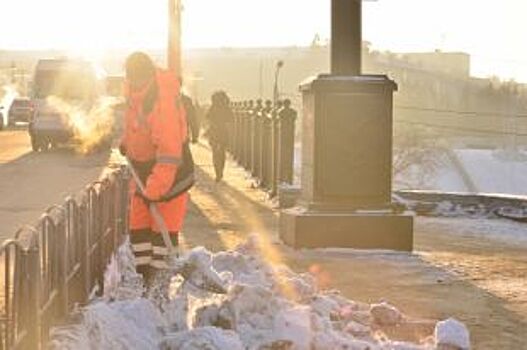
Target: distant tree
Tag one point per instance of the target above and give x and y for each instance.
(418, 154)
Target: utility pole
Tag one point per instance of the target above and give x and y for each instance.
(260, 81)
(13, 72)
(174, 36)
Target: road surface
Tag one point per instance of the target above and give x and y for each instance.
(30, 182)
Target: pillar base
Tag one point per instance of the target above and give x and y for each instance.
(301, 228)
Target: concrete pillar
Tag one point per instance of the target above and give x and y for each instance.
(347, 153)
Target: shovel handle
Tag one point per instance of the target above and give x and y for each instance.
(153, 210)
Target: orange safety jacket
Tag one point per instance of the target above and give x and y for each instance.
(155, 135)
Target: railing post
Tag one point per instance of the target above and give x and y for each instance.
(239, 134)
(5, 333)
(275, 136)
(84, 248)
(230, 128)
(267, 151)
(75, 235)
(104, 219)
(259, 149)
(234, 135)
(121, 203)
(116, 210)
(34, 296)
(63, 252)
(50, 257)
(248, 136)
(287, 119)
(125, 177)
(253, 138)
(90, 238)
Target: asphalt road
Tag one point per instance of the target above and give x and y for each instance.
(31, 182)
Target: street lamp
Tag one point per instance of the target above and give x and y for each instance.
(276, 93)
(174, 36)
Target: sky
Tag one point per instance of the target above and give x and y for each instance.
(491, 31)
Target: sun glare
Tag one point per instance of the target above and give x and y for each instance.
(89, 28)
(91, 54)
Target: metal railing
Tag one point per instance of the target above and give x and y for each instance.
(48, 269)
(262, 142)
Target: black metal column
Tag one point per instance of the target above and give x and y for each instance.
(346, 37)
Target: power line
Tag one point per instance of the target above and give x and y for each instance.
(463, 113)
(518, 62)
(465, 129)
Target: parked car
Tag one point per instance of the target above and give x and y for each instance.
(77, 84)
(21, 110)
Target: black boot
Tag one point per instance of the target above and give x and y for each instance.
(142, 247)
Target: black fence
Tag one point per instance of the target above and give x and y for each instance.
(50, 268)
(263, 142)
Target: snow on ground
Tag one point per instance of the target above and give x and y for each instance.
(265, 307)
(444, 178)
(479, 228)
(489, 171)
(448, 179)
(495, 171)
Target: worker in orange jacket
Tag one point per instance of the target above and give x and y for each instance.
(155, 136)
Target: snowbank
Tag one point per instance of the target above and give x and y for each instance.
(469, 170)
(495, 171)
(265, 307)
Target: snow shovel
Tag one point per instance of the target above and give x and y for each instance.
(184, 269)
(172, 253)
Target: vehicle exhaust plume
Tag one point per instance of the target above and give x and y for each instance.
(92, 128)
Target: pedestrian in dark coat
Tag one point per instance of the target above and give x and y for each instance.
(219, 117)
(192, 115)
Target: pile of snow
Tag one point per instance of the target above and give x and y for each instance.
(456, 208)
(264, 307)
(453, 334)
(453, 210)
(468, 170)
(495, 171)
